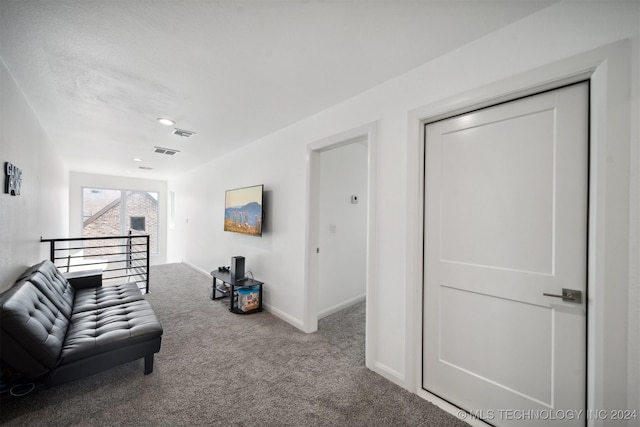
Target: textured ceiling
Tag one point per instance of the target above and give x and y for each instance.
(99, 73)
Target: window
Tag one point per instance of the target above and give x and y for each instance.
(113, 212)
(137, 223)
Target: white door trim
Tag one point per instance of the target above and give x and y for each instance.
(608, 70)
(310, 320)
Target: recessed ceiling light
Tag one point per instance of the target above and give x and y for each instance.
(166, 122)
(135, 159)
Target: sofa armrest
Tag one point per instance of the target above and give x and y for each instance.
(84, 279)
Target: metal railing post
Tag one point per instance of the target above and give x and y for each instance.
(129, 251)
(148, 259)
(52, 250)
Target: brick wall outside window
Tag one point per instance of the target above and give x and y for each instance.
(106, 222)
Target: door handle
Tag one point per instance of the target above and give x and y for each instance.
(568, 295)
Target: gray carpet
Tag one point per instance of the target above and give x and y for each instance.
(219, 368)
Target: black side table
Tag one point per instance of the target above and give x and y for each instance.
(229, 288)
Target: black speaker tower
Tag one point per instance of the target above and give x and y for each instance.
(237, 267)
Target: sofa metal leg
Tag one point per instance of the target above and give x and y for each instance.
(148, 364)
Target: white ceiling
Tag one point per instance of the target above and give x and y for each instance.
(99, 73)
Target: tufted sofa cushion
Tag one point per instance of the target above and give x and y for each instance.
(50, 281)
(98, 331)
(33, 329)
(103, 297)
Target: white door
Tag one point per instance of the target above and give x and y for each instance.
(506, 222)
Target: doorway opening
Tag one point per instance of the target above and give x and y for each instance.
(339, 261)
(342, 227)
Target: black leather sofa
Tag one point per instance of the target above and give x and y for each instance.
(55, 329)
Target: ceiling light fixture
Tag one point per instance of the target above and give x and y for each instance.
(136, 159)
(166, 122)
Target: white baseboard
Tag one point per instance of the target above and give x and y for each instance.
(451, 409)
(283, 316)
(388, 373)
(195, 267)
(341, 306)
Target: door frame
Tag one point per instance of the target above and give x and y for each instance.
(608, 71)
(312, 229)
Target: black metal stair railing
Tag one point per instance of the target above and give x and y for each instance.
(119, 257)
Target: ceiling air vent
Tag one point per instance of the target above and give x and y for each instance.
(146, 168)
(183, 133)
(167, 151)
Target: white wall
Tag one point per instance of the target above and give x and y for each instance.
(79, 180)
(277, 258)
(279, 161)
(342, 266)
(42, 207)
